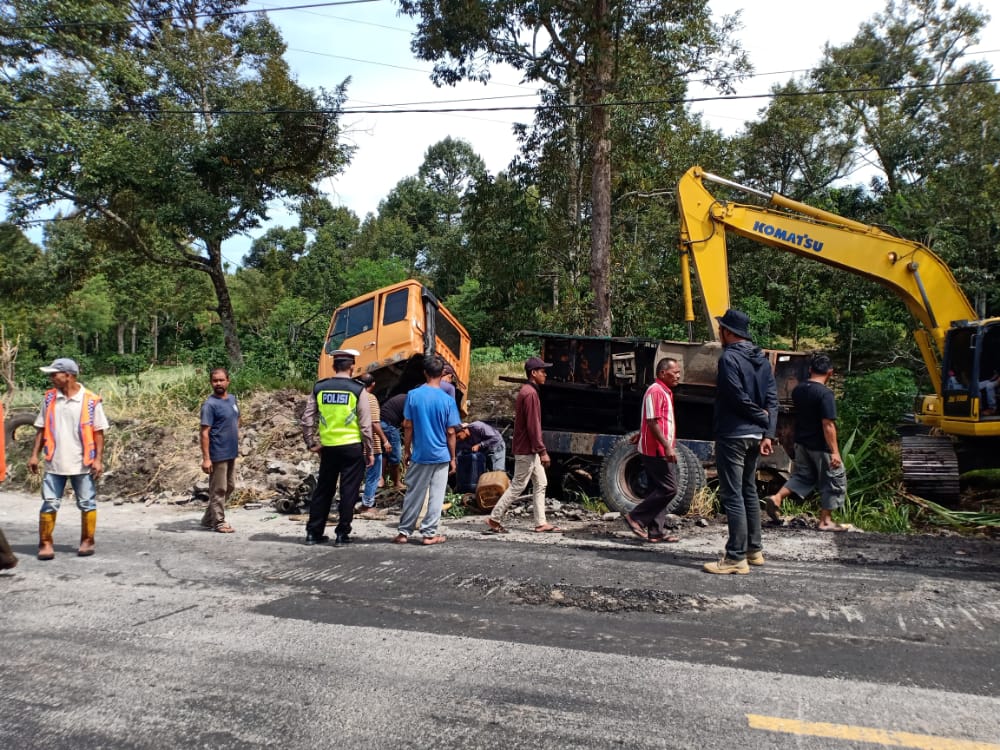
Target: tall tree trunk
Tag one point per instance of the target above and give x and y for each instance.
(600, 180)
(134, 336)
(121, 338)
(225, 308)
(154, 332)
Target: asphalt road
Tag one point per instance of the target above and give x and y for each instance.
(176, 637)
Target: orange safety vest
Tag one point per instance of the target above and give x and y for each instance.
(90, 402)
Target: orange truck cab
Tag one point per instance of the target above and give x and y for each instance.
(392, 328)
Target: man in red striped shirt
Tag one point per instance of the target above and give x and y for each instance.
(657, 440)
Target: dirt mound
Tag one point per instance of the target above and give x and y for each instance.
(158, 458)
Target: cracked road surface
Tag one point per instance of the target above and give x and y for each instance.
(171, 636)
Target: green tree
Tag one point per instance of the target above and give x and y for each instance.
(958, 204)
(506, 226)
(892, 74)
(573, 51)
(172, 122)
(802, 143)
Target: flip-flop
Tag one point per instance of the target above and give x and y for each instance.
(635, 527)
(773, 509)
(224, 529)
(834, 529)
(429, 540)
(496, 527)
(663, 539)
(549, 530)
(401, 539)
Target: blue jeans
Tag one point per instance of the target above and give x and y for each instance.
(736, 463)
(372, 474)
(424, 481)
(497, 460)
(54, 485)
(394, 451)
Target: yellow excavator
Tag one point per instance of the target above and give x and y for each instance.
(958, 427)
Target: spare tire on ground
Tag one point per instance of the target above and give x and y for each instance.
(14, 421)
(624, 483)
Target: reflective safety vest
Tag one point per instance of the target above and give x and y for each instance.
(337, 407)
(89, 408)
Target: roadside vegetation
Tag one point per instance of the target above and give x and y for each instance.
(143, 153)
(162, 404)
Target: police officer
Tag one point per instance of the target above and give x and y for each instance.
(337, 424)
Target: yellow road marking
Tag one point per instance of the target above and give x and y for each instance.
(864, 734)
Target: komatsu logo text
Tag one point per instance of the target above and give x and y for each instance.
(801, 240)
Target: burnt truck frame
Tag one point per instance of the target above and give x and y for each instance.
(592, 402)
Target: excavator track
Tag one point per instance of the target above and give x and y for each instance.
(930, 467)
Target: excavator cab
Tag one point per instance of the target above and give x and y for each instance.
(970, 373)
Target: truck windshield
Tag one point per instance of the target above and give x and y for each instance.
(349, 322)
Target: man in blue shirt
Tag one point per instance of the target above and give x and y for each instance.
(430, 419)
(220, 419)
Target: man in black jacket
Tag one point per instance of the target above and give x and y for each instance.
(746, 417)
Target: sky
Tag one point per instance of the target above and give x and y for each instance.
(370, 43)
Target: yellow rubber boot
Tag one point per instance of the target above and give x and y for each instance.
(46, 525)
(88, 524)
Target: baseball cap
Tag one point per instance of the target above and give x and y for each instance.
(535, 363)
(63, 364)
(353, 353)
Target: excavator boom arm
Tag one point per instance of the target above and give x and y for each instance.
(910, 270)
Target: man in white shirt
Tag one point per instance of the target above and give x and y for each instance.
(71, 426)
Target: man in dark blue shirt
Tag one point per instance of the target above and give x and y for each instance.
(220, 419)
(746, 420)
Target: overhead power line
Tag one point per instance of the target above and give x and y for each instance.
(220, 14)
(400, 109)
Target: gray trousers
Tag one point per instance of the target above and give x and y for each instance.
(424, 481)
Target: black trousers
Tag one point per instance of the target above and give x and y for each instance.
(652, 511)
(346, 463)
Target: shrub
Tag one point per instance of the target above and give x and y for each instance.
(126, 364)
(521, 351)
(876, 401)
(488, 355)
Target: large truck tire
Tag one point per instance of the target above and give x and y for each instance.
(624, 484)
(15, 421)
(696, 480)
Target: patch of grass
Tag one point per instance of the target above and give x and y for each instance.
(593, 504)
(705, 503)
(457, 508)
(873, 502)
(486, 375)
(886, 515)
(958, 518)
